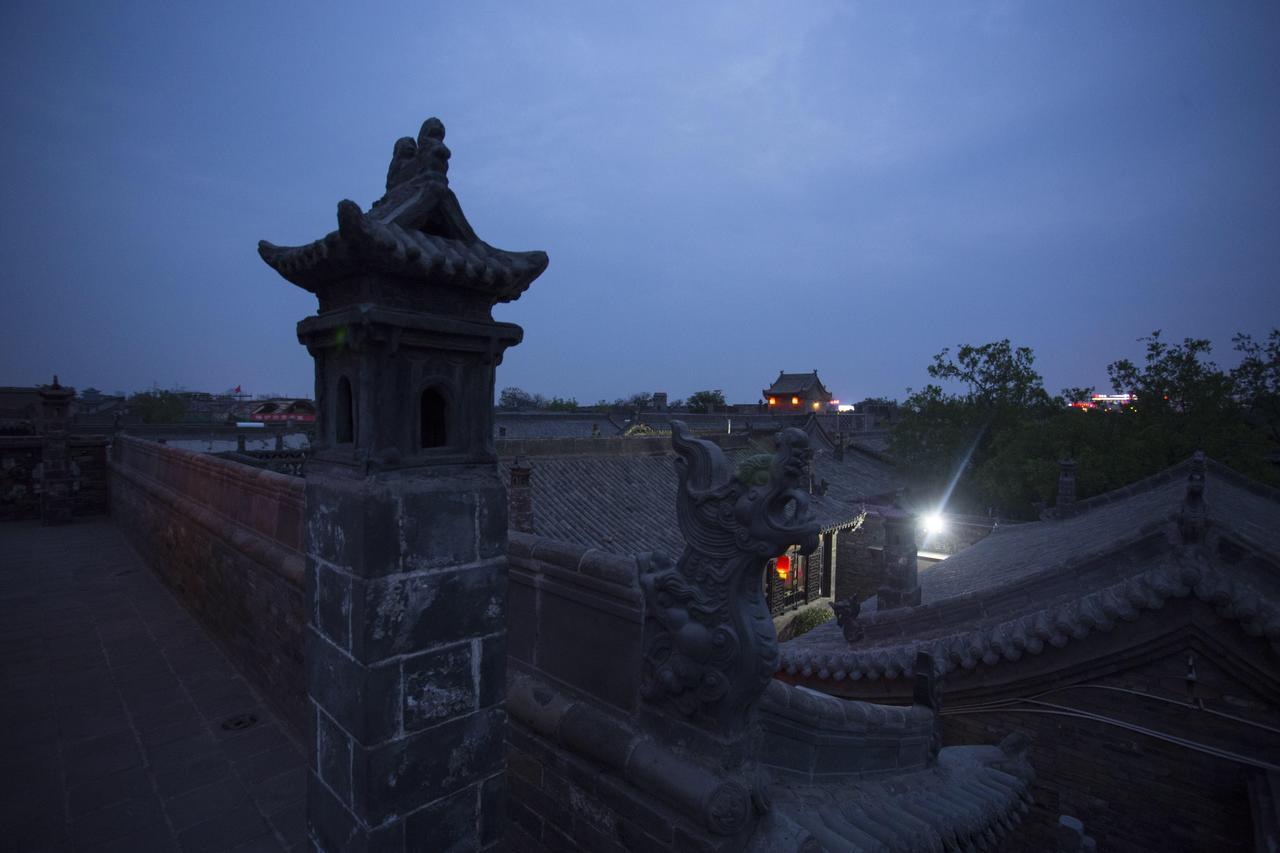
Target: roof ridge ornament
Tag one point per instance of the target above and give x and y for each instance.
(415, 239)
(710, 648)
(1194, 515)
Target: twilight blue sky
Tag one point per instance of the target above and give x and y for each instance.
(725, 189)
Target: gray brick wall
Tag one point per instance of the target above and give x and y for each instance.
(244, 585)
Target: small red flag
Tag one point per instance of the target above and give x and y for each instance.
(237, 389)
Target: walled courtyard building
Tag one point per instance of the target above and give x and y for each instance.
(797, 392)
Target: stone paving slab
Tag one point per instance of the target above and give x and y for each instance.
(112, 700)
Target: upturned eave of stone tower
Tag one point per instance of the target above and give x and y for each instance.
(414, 239)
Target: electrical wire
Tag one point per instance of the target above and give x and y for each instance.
(1198, 747)
(1195, 706)
(1002, 707)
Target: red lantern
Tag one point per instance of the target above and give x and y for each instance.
(782, 566)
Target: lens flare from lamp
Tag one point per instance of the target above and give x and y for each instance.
(934, 524)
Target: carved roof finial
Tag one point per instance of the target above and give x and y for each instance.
(414, 240)
(1194, 515)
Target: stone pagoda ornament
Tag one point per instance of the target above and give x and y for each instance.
(406, 522)
(405, 342)
(57, 471)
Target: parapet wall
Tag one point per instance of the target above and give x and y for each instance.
(583, 775)
(227, 538)
(636, 445)
(564, 599)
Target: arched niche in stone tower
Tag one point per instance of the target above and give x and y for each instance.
(344, 418)
(433, 417)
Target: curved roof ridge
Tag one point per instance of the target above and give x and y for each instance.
(1146, 484)
(1239, 480)
(930, 609)
(1056, 625)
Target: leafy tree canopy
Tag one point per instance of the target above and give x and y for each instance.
(158, 407)
(995, 447)
(562, 404)
(518, 398)
(995, 374)
(705, 401)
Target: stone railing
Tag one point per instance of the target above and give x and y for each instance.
(227, 538)
(20, 457)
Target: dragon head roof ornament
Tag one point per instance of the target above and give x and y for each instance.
(710, 648)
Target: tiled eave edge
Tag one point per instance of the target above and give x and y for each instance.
(970, 800)
(1053, 626)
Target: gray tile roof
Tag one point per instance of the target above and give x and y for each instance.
(552, 425)
(624, 502)
(873, 440)
(1098, 526)
(1032, 586)
(794, 383)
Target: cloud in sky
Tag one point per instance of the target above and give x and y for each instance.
(725, 189)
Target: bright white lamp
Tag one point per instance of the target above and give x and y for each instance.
(934, 523)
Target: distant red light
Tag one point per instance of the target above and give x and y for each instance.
(782, 566)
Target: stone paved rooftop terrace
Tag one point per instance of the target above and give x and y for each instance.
(114, 700)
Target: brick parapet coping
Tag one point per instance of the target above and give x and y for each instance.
(639, 445)
(256, 512)
(536, 553)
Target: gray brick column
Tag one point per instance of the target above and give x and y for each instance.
(406, 659)
(57, 480)
(900, 586)
(1066, 483)
(520, 502)
(406, 515)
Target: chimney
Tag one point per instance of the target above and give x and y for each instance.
(520, 496)
(900, 584)
(1066, 484)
